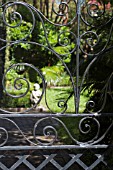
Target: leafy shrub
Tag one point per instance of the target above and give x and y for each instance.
(10, 102)
(56, 76)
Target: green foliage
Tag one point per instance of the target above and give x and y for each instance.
(38, 35)
(20, 33)
(107, 1)
(10, 102)
(38, 55)
(56, 76)
(58, 38)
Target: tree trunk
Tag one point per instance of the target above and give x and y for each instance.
(2, 52)
(41, 3)
(47, 8)
(35, 4)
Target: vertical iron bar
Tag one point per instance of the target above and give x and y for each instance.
(77, 54)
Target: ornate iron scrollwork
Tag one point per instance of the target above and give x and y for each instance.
(89, 38)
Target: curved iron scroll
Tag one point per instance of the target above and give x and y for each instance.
(84, 46)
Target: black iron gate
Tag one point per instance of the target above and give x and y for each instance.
(77, 35)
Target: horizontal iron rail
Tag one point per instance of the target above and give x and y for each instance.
(40, 115)
(38, 147)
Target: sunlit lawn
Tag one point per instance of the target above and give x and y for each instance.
(54, 95)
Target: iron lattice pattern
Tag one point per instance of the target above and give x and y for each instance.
(61, 160)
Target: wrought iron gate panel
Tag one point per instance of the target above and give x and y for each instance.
(35, 140)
